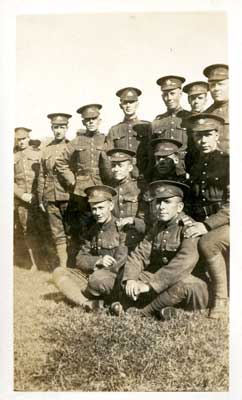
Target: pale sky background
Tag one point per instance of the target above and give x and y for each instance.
(66, 61)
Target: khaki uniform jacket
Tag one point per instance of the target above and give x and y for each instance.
(50, 187)
(26, 171)
(102, 240)
(127, 204)
(168, 126)
(124, 136)
(81, 162)
(164, 256)
(209, 182)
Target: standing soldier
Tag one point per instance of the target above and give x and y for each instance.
(80, 165)
(218, 80)
(26, 172)
(197, 95)
(197, 98)
(127, 203)
(168, 124)
(123, 134)
(52, 194)
(209, 178)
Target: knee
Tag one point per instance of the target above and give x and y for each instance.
(58, 273)
(100, 283)
(207, 246)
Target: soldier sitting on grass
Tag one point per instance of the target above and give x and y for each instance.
(100, 257)
(158, 273)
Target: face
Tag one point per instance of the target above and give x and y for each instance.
(22, 143)
(129, 107)
(172, 98)
(59, 131)
(166, 164)
(92, 124)
(206, 141)
(102, 211)
(197, 102)
(121, 169)
(167, 209)
(219, 90)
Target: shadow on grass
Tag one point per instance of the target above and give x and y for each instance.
(57, 297)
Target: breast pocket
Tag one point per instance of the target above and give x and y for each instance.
(83, 155)
(130, 203)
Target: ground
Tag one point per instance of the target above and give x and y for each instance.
(59, 347)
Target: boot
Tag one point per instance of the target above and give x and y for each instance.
(61, 250)
(69, 286)
(217, 271)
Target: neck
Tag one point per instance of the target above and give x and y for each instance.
(130, 117)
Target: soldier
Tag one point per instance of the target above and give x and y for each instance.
(197, 98)
(123, 135)
(158, 273)
(197, 95)
(128, 199)
(100, 257)
(26, 171)
(166, 164)
(209, 180)
(52, 194)
(80, 166)
(168, 124)
(218, 80)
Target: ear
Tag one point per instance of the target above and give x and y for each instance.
(111, 205)
(84, 122)
(180, 207)
(121, 105)
(176, 159)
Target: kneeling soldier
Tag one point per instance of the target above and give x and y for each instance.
(100, 257)
(127, 202)
(157, 274)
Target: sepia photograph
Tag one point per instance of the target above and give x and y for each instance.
(120, 202)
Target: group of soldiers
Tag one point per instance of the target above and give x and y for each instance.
(139, 218)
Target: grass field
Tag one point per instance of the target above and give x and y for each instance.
(59, 347)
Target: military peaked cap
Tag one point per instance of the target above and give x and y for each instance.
(204, 122)
(99, 193)
(119, 154)
(89, 110)
(197, 87)
(165, 147)
(59, 118)
(129, 93)
(21, 132)
(170, 82)
(164, 189)
(216, 72)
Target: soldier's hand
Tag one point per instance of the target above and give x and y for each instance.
(132, 289)
(197, 229)
(108, 261)
(124, 221)
(27, 197)
(42, 207)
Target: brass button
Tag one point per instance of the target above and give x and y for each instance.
(164, 260)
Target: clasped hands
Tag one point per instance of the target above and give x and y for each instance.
(134, 288)
(105, 261)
